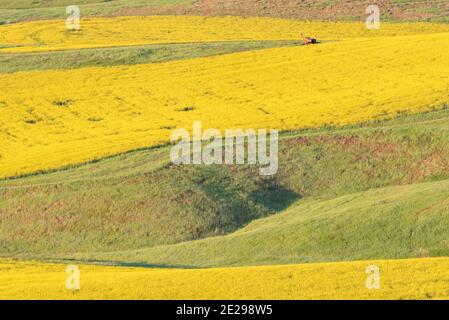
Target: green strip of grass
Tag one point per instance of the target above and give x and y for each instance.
(28, 4)
(14, 11)
(127, 55)
(137, 200)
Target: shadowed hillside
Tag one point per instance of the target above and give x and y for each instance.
(139, 199)
(391, 223)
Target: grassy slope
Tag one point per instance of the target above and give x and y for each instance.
(13, 11)
(138, 200)
(165, 206)
(394, 222)
(396, 10)
(127, 55)
(25, 4)
(150, 200)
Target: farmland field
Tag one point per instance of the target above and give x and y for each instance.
(256, 89)
(389, 170)
(335, 10)
(403, 279)
(111, 32)
(86, 177)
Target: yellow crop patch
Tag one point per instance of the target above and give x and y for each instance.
(125, 31)
(397, 279)
(51, 119)
(55, 118)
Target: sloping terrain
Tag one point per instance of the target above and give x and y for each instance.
(88, 113)
(393, 10)
(85, 174)
(127, 55)
(138, 200)
(391, 223)
(13, 10)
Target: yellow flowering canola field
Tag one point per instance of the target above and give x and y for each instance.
(50, 119)
(399, 279)
(121, 31)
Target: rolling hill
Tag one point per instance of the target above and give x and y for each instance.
(86, 179)
(139, 200)
(391, 223)
(122, 108)
(392, 10)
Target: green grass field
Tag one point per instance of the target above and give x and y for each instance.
(396, 10)
(127, 55)
(389, 223)
(13, 10)
(376, 190)
(341, 194)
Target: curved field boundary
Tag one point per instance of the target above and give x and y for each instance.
(86, 114)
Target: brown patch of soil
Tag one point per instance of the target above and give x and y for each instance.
(433, 163)
(372, 146)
